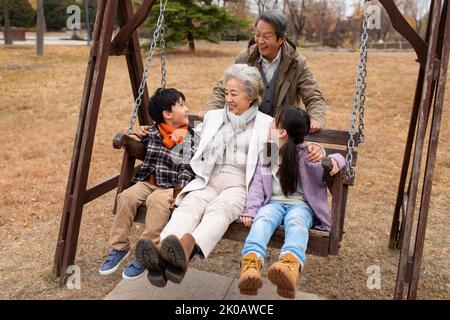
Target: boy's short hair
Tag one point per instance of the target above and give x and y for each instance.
(163, 99)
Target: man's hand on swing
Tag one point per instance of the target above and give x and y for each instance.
(247, 221)
(314, 126)
(143, 131)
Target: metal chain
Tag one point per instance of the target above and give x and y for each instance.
(162, 45)
(359, 100)
(156, 36)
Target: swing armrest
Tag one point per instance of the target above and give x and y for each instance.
(134, 148)
(328, 179)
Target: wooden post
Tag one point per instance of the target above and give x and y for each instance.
(444, 48)
(101, 49)
(40, 28)
(7, 28)
(406, 260)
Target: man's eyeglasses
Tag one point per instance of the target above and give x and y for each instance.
(265, 36)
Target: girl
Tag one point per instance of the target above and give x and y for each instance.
(289, 192)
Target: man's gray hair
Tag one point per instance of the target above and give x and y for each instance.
(250, 78)
(277, 19)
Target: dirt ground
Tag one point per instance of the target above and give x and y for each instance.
(39, 106)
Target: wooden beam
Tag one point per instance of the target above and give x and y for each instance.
(77, 143)
(100, 189)
(415, 174)
(404, 28)
(132, 24)
(444, 47)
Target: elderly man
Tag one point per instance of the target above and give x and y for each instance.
(285, 73)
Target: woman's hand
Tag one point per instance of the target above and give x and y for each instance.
(247, 221)
(315, 153)
(143, 131)
(335, 167)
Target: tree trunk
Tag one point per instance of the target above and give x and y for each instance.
(40, 28)
(7, 27)
(88, 23)
(322, 18)
(191, 41)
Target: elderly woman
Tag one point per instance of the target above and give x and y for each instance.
(224, 163)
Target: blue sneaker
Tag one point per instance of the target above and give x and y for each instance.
(134, 271)
(112, 262)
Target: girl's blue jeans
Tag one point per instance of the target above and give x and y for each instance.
(297, 220)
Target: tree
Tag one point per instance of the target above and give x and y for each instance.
(322, 20)
(190, 20)
(243, 30)
(56, 13)
(295, 13)
(40, 28)
(21, 13)
(264, 5)
(7, 23)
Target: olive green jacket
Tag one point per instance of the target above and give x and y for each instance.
(295, 82)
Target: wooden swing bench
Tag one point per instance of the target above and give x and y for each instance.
(321, 243)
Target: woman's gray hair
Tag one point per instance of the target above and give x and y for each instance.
(250, 78)
(277, 19)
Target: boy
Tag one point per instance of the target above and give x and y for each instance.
(164, 172)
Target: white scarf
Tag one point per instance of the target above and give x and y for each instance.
(231, 127)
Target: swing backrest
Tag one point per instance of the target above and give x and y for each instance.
(320, 243)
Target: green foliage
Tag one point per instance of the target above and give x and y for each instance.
(190, 20)
(55, 12)
(21, 13)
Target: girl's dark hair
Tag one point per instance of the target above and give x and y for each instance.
(163, 99)
(296, 122)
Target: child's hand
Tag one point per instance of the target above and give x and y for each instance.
(171, 203)
(335, 167)
(134, 137)
(143, 131)
(247, 221)
(315, 153)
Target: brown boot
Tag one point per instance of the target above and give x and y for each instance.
(177, 253)
(148, 254)
(284, 275)
(250, 280)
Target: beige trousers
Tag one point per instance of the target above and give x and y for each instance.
(208, 212)
(158, 213)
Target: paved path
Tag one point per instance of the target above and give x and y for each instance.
(197, 285)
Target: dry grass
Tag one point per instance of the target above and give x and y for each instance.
(38, 116)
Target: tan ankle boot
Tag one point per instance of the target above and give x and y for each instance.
(250, 280)
(177, 253)
(284, 274)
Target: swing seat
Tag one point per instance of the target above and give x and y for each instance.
(321, 243)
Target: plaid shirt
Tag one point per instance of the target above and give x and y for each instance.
(171, 166)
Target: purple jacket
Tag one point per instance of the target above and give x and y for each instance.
(311, 173)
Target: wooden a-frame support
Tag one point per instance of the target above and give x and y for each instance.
(433, 59)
